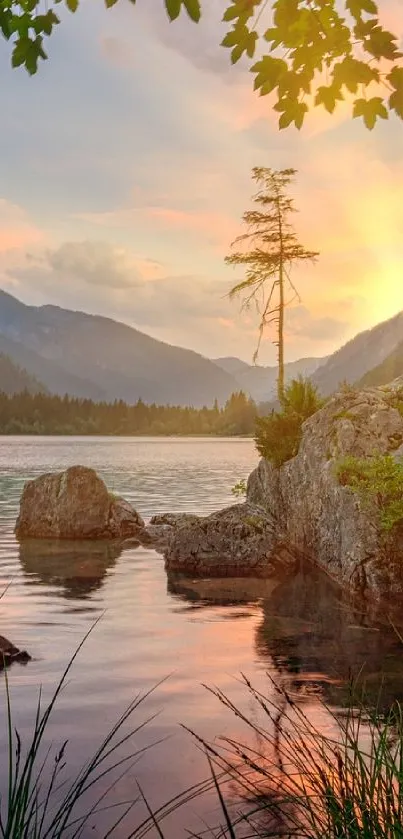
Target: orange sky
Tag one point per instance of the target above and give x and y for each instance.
(125, 175)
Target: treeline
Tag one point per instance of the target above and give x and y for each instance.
(40, 413)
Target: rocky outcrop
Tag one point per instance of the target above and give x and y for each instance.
(9, 653)
(75, 504)
(240, 541)
(317, 515)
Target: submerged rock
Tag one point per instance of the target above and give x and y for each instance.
(240, 541)
(9, 653)
(324, 519)
(75, 504)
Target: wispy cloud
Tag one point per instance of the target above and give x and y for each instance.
(129, 188)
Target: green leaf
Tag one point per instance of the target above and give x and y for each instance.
(72, 5)
(110, 3)
(396, 102)
(251, 44)
(230, 39)
(293, 111)
(237, 53)
(358, 7)
(5, 23)
(231, 13)
(352, 72)
(173, 8)
(28, 51)
(285, 120)
(395, 78)
(382, 44)
(370, 110)
(269, 71)
(328, 96)
(193, 9)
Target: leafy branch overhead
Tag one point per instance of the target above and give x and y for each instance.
(305, 53)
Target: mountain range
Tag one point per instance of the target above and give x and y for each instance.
(99, 358)
(62, 351)
(261, 382)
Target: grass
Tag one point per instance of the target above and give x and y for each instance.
(378, 481)
(301, 782)
(289, 778)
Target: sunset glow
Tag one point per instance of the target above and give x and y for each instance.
(121, 189)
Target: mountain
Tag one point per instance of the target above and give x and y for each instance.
(14, 379)
(389, 369)
(54, 378)
(260, 382)
(89, 355)
(363, 353)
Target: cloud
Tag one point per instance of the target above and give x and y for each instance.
(92, 263)
(16, 229)
(302, 323)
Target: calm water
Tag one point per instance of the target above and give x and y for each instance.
(194, 633)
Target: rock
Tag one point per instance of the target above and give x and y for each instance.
(159, 536)
(9, 653)
(162, 527)
(240, 541)
(325, 520)
(74, 504)
(173, 519)
(124, 521)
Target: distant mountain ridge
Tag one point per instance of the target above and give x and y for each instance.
(360, 355)
(14, 379)
(62, 351)
(97, 357)
(389, 369)
(260, 382)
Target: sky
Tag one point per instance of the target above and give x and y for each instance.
(125, 168)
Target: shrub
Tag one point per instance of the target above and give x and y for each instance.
(301, 397)
(278, 435)
(377, 480)
(240, 488)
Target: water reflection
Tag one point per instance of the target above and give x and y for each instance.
(229, 591)
(314, 636)
(78, 568)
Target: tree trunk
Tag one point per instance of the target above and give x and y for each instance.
(281, 305)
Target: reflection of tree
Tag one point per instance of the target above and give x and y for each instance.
(319, 640)
(79, 567)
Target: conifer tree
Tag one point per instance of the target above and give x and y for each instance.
(267, 251)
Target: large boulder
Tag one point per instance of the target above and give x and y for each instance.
(240, 541)
(324, 519)
(74, 504)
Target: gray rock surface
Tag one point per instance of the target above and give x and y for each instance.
(328, 521)
(240, 541)
(74, 504)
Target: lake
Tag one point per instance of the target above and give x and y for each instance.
(189, 633)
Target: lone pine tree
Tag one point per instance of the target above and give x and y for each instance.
(268, 250)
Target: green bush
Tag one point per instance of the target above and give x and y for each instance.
(240, 488)
(377, 479)
(278, 435)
